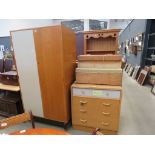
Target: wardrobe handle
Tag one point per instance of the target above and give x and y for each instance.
(105, 124)
(106, 104)
(83, 120)
(106, 113)
(83, 111)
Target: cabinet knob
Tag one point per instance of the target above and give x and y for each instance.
(106, 104)
(83, 120)
(106, 113)
(83, 111)
(83, 102)
(105, 124)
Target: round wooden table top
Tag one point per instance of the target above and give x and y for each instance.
(40, 131)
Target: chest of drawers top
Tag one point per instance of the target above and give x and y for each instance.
(97, 87)
(97, 91)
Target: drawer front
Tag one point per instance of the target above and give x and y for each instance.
(81, 113)
(12, 108)
(3, 106)
(94, 112)
(112, 94)
(108, 106)
(108, 123)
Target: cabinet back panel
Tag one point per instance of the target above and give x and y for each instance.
(103, 44)
(23, 44)
(49, 57)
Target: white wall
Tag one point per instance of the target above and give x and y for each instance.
(119, 23)
(6, 25)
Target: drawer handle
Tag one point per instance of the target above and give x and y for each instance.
(106, 113)
(106, 104)
(83, 120)
(83, 102)
(84, 111)
(105, 124)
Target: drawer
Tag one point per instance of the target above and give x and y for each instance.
(93, 105)
(82, 113)
(112, 94)
(111, 107)
(92, 111)
(84, 106)
(109, 123)
(12, 109)
(79, 119)
(3, 107)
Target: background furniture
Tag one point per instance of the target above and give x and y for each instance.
(1, 65)
(153, 89)
(142, 76)
(149, 44)
(101, 41)
(10, 100)
(9, 78)
(45, 60)
(96, 106)
(14, 120)
(8, 63)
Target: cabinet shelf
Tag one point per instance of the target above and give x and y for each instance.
(152, 34)
(101, 45)
(150, 59)
(151, 48)
(98, 50)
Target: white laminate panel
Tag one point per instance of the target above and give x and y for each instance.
(24, 48)
(111, 94)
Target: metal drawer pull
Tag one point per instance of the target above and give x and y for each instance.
(106, 104)
(84, 111)
(106, 113)
(105, 124)
(83, 120)
(83, 102)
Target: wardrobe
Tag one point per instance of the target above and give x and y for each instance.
(45, 60)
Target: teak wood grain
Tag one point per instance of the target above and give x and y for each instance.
(90, 112)
(55, 51)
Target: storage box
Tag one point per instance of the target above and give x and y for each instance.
(99, 61)
(99, 76)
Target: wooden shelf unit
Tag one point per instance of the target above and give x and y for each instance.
(101, 42)
(149, 44)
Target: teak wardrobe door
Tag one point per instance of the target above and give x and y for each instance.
(49, 59)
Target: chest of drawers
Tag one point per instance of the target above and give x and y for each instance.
(96, 106)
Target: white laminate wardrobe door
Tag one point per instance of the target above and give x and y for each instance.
(24, 48)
